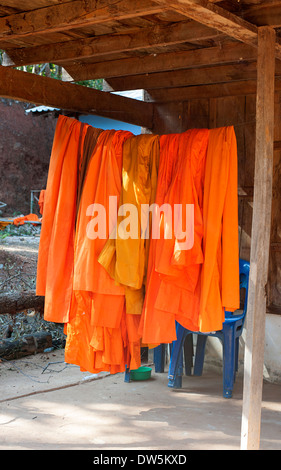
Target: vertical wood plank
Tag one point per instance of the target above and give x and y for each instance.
(260, 239)
(212, 113)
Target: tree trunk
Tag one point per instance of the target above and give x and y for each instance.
(20, 301)
(25, 346)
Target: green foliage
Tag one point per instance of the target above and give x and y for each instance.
(97, 84)
(54, 71)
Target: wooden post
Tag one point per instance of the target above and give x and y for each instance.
(260, 240)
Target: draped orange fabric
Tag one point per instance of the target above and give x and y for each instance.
(100, 335)
(89, 144)
(195, 287)
(41, 201)
(103, 180)
(220, 272)
(56, 247)
(26, 218)
(172, 288)
(125, 257)
(188, 269)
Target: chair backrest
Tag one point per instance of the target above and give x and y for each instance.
(244, 273)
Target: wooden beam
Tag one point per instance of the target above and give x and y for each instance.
(186, 77)
(209, 14)
(145, 39)
(217, 90)
(239, 88)
(74, 14)
(40, 90)
(260, 240)
(264, 13)
(229, 53)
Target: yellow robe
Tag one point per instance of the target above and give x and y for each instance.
(125, 257)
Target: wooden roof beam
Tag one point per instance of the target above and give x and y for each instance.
(186, 77)
(163, 95)
(112, 43)
(210, 14)
(231, 53)
(217, 90)
(75, 14)
(31, 88)
(264, 13)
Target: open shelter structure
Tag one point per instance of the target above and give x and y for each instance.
(201, 64)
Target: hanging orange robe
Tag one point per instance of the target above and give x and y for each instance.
(215, 288)
(56, 247)
(41, 201)
(125, 257)
(172, 292)
(100, 336)
(89, 144)
(220, 271)
(151, 324)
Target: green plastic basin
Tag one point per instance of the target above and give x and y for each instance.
(142, 373)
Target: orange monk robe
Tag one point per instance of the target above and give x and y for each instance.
(26, 218)
(89, 144)
(41, 201)
(220, 272)
(126, 256)
(151, 327)
(56, 247)
(103, 180)
(182, 267)
(92, 287)
(182, 252)
(99, 335)
(172, 292)
(94, 348)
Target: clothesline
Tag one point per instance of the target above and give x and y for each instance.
(116, 292)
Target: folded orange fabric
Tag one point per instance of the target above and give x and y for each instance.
(26, 218)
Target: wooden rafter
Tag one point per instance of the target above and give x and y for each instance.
(75, 14)
(186, 77)
(238, 88)
(216, 17)
(144, 39)
(210, 14)
(243, 88)
(230, 53)
(264, 13)
(40, 90)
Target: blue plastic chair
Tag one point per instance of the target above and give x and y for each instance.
(160, 355)
(229, 337)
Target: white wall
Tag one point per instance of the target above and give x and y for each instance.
(272, 350)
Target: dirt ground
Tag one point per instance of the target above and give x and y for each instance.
(46, 404)
(18, 265)
(18, 258)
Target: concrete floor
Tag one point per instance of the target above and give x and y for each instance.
(46, 405)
